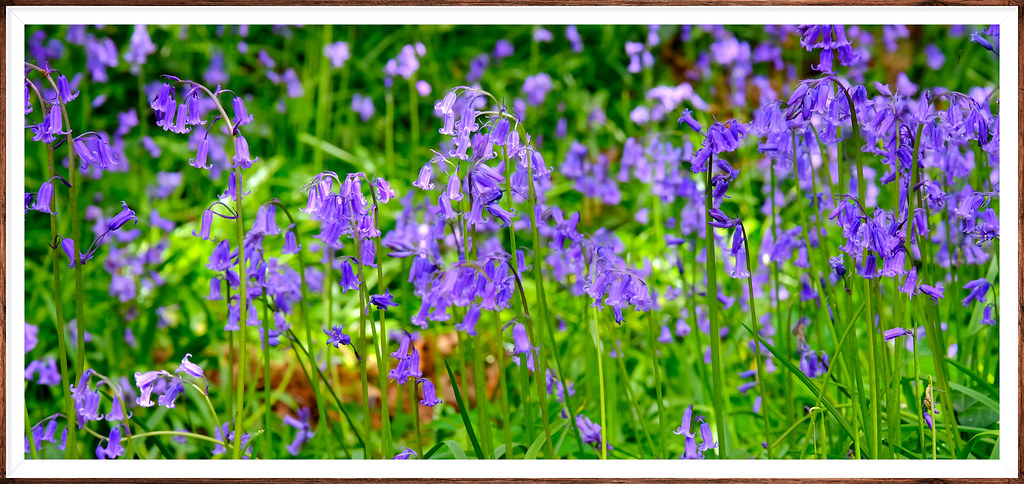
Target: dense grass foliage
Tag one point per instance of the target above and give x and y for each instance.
(509, 242)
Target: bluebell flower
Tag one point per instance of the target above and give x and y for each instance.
(336, 336)
(405, 454)
(205, 225)
(468, 323)
(348, 277)
(384, 191)
(302, 425)
(48, 373)
(190, 368)
(220, 258)
(68, 245)
(983, 42)
(140, 46)
(707, 439)
(291, 246)
(44, 199)
(429, 396)
(536, 88)
(265, 222)
(590, 432)
(44, 433)
(572, 34)
(363, 105)
(242, 158)
(147, 383)
(113, 449)
(51, 126)
(31, 336)
(894, 333)
(382, 301)
(503, 48)
(986, 317)
(64, 92)
(978, 289)
(423, 88)
(935, 292)
(242, 117)
(337, 52)
(171, 391)
(126, 214)
(116, 412)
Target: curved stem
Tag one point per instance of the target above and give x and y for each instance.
(177, 433)
(758, 356)
(71, 449)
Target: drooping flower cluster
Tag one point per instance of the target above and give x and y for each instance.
(693, 450)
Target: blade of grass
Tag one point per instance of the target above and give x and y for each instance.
(826, 400)
(974, 376)
(539, 442)
(464, 412)
(453, 446)
(984, 399)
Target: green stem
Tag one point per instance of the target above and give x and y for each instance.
(28, 434)
(76, 234)
(652, 341)
(600, 379)
(524, 396)
(758, 357)
(323, 103)
(479, 375)
(541, 294)
(267, 405)
(389, 131)
(415, 414)
(243, 313)
(363, 377)
(718, 380)
(382, 348)
(503, 387)
(175, 433)
(414, 124)
(71, 449)
(636, 408)
(538, 280)
(785, 330)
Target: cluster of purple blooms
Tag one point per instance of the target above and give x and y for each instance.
(693, 450)
(458, 267)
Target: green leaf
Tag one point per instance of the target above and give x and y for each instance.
(966, 451)
(464, 412)
(335, 151)
(453, 446)
(974, 376)
(538, 443)
(980, 397)
(164, 451)
(432, 450)
(499, 451)
(825, 400)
